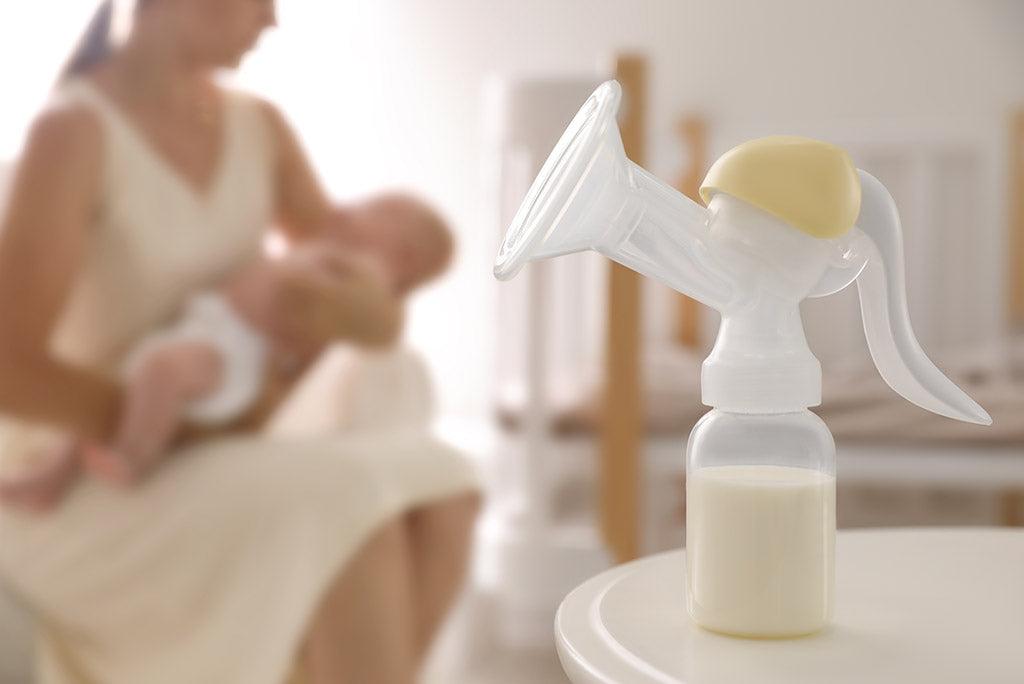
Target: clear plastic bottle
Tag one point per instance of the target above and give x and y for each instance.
(760, 523)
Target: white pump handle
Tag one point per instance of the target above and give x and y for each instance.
(872, 253)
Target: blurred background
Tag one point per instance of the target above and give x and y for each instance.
(458, 100)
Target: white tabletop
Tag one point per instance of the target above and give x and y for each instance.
(930, 605)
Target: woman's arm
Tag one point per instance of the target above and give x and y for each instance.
(44, 232)
(358, 308)
(303, 209)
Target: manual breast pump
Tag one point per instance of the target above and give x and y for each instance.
(786, 218)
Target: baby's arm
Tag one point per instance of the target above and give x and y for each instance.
(315, 295)
(328, 295)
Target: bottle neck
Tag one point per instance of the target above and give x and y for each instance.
(761, 362)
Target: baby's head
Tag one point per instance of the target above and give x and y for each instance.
(411, 242)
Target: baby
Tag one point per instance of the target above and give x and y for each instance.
(234, 353)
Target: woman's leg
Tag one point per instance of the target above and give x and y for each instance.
(440, 537)
(365, 629)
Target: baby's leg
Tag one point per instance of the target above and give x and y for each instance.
(156, 393)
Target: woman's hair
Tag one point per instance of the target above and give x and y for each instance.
(94, 45)
(107, 27)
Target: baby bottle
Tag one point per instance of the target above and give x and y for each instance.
(760, 522)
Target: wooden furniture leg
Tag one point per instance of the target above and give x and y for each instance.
(1011, 505)
(693, 130)
(1016, 228)
(621, 416)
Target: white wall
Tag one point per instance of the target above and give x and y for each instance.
(388, 93)
(35, 39)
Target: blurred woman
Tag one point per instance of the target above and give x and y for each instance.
(241, 559)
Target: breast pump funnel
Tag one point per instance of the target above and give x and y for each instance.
(588, 195)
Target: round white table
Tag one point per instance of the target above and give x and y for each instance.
(929, 605)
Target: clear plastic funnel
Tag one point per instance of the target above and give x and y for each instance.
(588, 195)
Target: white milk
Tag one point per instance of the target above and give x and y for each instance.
(760, 546)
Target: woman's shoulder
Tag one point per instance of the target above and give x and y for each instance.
(264, 112)
(268, 111)
(65, 126)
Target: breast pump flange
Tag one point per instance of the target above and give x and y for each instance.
(786, 218)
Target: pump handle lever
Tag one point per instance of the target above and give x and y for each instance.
(872, 254)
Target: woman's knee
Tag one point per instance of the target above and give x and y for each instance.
(450, 519)
(386, 546)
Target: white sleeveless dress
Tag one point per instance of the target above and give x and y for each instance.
(211, 570)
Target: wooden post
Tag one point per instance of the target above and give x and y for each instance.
(693, 131)
(1011, 503)
(1016, 226)
(621, 416)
